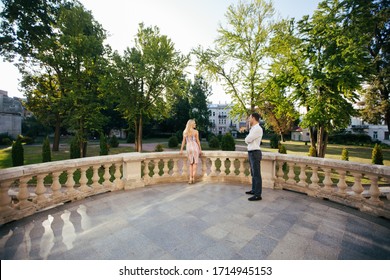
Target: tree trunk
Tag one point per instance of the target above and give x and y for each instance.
(138, 134)
(56, 140)
(313, 140)
(322, 137)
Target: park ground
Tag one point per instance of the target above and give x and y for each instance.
(33, 153)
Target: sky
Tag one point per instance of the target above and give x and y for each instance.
(188, 23)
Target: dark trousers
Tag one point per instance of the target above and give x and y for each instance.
(254, 162)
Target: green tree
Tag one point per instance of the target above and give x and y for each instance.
(325, 67)
(240, 57)
(103, 145)
(46, 153)
(17, 152)
(145, 78)
(228, 143)
(344, 154)
(377, 155)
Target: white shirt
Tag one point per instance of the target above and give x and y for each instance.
(254, 137)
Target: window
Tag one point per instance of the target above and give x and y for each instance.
(375, 135)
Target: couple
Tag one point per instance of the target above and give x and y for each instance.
(253, 140)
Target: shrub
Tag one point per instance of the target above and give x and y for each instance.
(103, 145)
(46, 153)
(312, 152)
(282, 149)
(344, 154)
(75, 148)
(228, 143)
(5, 139)
(179, 135)
(214, 142)
(17, 152)
(274, 141)
(114, 141)
(377, 155)
(130, 138)
(173, 142)
(159, 148)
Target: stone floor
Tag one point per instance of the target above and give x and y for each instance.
(197, 222)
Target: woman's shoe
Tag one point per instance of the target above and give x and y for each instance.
(190, 181)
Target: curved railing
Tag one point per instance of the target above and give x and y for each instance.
(28, 189)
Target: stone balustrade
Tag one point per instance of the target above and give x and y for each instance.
(28, 189)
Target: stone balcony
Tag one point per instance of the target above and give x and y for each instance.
(148, 191)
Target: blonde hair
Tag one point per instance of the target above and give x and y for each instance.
(189, 130)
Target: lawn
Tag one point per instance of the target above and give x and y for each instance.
(33, 153)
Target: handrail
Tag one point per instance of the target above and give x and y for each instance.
(27, 189)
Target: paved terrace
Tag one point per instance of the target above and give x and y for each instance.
(200, 221)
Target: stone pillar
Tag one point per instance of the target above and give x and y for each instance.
(268, 173)
(132, 171)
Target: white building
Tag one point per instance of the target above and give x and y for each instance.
(222, 122)
(376, 132)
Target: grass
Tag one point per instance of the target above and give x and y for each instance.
(33, 153)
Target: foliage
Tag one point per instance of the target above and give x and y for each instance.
(46, 152)
(143, 80)
(274, 141)
(228, 143)
(130, 137)
(350, 139)
(240, 56)
(103, 145)
(312, 152)
(377, 155)
(344, 154)
(214, 142)
(113, 142)
(159, 148)
(5, 139)
(75, 148)
(17, 152)
(282, 149)
(173, 142)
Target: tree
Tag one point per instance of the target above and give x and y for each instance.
(46, 154)
(199, 92)
(326, 66)
(145, 78)
(239, 58)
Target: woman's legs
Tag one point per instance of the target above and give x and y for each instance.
(191, 167)
(194, 167)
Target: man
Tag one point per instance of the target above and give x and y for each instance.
(253, 141)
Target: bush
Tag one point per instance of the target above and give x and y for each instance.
(103, 145)
(274, 141)
(214, 142)
(282, 149)
(75, 148)
(228, 143)
(377, 155)
(114, 141)
(130, 138)
(179, 135)
(5, 139)
(312, 152)
(344, 154)
(159, 148)
(17, 153)
(27, 140)
(349, 139)
(173, 142)
(46, 153)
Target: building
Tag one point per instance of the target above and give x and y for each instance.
(11, 114)
(376, 132)
(222, 122)
(300, 134)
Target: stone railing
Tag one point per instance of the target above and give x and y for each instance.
(28, 189)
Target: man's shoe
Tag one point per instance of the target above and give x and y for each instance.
(250, 192)
(254, 198)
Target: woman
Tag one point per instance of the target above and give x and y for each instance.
(191, 140)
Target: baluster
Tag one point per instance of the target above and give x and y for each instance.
(56, 186)
(5, 199)
(374, 191)
(118, 182)
(314, 178)
(213, 168)
(291, 173)
(357, 186)
(302, 175)
(84, 180)
(327, 180)
(153, 164)
(280, 174)
(23, 194)
(204, 166)
(40, 189)
(176, 168)
(96, 177)
(107, 183)
(146, 176)
(241, 169)
(165, 168)
(342, 184)
(224, 168)
(70, 190)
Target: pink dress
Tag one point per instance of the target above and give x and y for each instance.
(192, 149)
